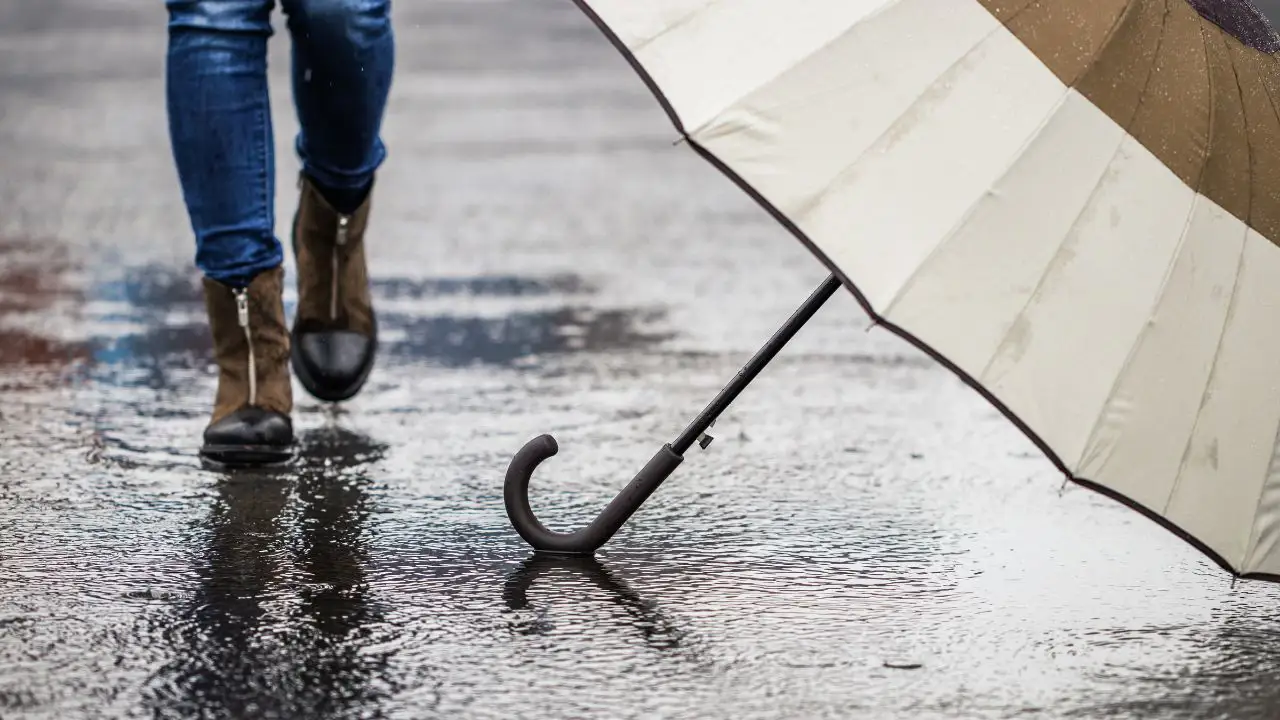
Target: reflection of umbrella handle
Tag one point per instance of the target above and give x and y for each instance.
(589, 539)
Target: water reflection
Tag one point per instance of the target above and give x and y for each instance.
(461, 341)
(564, 576)
(481, 285)
(145, 322)
(32, 283)
(1241, 661)
(152, 289)
(278, 624)
(1231, 662)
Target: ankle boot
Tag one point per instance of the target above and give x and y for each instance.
(250, 423)
(335, 330)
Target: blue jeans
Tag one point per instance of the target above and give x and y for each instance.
(220, 115)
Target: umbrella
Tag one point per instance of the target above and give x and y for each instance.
(1073, 205)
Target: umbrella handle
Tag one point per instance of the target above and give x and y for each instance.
(589, 539)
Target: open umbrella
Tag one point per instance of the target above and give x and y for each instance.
(1072, 204)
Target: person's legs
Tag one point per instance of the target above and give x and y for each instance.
(343, 61)
(220, 131)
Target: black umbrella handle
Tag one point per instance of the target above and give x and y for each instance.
(589, 539)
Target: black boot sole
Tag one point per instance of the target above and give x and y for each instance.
(246, 456)
(329, 392)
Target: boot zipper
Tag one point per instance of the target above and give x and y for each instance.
(343, 222)
(242, 313)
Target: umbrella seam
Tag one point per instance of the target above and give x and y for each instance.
(1177, 481)
(1163, 290)
(1254, 535)
(807, 207)
(1160, 295)
(885, 6)
(1133, 349)
(967, 215)
(1213, 372)
(679, 23)
(1231, 307)
(1125, 128)
(1004, 339)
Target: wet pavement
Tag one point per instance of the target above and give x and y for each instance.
(866, 538)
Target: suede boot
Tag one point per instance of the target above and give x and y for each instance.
(335, 334)
(250, 423)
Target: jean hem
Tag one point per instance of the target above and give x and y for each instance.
(341, 179)
(240, 277)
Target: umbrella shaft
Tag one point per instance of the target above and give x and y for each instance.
(756, 364)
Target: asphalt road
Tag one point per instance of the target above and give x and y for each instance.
(865, 538)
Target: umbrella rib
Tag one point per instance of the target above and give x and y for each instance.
(967, 215)
(1126, 126)
(884, 6)
(1173, 258)
(814, 202)
(808, 206)
(1257, 508)
(1252, 546)
(1177, 481)
(1231, 306)
(1162, 291)
(1213, 373)
(681, 22)
(1004, 339)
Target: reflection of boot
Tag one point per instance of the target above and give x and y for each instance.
(250, 423)
(335, 331)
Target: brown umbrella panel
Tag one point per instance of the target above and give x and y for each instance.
(1195, 82)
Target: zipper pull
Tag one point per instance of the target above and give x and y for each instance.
(242, 307)
(343, 222)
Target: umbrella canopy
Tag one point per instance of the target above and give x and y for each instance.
(1073, 204)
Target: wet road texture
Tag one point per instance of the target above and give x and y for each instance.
(866, 538)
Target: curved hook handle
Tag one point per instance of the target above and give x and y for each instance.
(589, 539)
